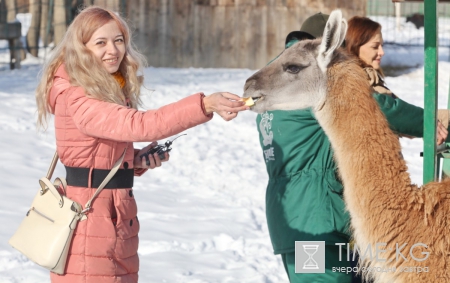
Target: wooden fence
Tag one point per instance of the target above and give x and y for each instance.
(200, 33)
(222, 33)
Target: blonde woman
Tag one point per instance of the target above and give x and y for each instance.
(91, 86)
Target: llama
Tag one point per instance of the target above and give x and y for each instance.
(402, 231)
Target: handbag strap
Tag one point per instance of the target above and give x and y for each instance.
(108, 177)
(51, 169)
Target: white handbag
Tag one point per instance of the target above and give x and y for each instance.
(44, 236)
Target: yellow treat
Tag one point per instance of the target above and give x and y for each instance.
(248, 101)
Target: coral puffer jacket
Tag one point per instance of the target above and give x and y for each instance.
(91, 133)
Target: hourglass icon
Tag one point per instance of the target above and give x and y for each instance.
(310, 263)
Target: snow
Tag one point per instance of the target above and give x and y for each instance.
(202, 214)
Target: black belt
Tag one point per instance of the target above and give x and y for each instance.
(79, 177)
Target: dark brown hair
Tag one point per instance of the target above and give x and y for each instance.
(360, 31)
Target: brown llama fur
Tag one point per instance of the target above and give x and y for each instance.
(384, 206)
(406, 228)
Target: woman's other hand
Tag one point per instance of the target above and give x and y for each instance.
(441, 133)
(226, 104)
(154, 160)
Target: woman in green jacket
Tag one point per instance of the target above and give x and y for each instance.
(304, 194)
(365, 40)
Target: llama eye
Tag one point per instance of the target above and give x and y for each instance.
(293, 69)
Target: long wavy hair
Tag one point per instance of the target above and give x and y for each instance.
(360, 31)
(86, 70)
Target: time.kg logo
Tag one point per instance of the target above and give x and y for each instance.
(309, 257)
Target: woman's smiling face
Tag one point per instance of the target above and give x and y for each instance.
(107, 44)
(372, 51)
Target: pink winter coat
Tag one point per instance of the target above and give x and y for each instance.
(93, 134)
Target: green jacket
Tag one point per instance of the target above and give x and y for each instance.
(304, 195)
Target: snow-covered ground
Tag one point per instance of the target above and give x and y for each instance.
(202, 214)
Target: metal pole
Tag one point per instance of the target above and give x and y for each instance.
(431, 90)
(446, 159)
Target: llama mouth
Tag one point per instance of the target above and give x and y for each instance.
(250, 101)
(257, 98)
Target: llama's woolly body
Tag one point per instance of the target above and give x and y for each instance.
(384, 206)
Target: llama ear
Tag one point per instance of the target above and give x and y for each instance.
(333, 37)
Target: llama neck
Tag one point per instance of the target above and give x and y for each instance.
(367, 152)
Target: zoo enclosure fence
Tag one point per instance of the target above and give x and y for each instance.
(55, 15)
(191, 33)
(402, 23)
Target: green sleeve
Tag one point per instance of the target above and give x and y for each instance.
(403, 118)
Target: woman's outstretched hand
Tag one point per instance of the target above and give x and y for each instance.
(226, 104)
(153, 159)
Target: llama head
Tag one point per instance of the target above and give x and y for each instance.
(297, 78)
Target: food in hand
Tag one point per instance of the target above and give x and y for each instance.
(248, 101)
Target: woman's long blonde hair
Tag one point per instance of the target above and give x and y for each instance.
(85, 70)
